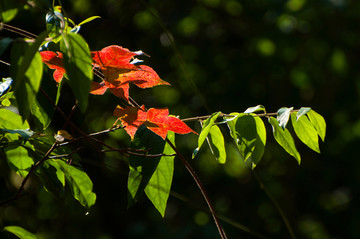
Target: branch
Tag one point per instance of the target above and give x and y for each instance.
(201, 187)
(32, 169)
(202, 118)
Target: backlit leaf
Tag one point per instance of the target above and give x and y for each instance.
(284, 139)
(26, 70)
(206, 127)
(306, 132)
(217, 144)
(54, 60)
(78, 66)
(255, 109)
(159, 185)
(19, 160)
(142, 167)
(283, 116)
(11, 120)
(302, 111)
(80, 184)
(249, 134)
(20, 232)
(119, 69)
(319, 123)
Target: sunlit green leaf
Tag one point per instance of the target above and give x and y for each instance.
(306, 132)
(20, 232)
(159, 185)
(302, 111)
(88, 20)
(255, 109)
(78, 65)
(319, 123)
(284, 139)
(52, 177)
(142, 167)
(11, 120)
(249, 134)
(26, 70)
(217, 144)
(206, 127)
(283, 116)
(8, 10)
(18, 159)
(80, 184)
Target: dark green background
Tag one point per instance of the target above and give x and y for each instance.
(228, 55)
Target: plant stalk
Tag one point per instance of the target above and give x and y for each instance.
(202, 189)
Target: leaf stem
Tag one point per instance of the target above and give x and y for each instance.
(201, 187)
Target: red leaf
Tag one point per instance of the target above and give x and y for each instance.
(97, 88)
(157, 120)
(161, 122)
(144, 77)
(131, 118)
(117, 65)
(54, 60)
(114, 57)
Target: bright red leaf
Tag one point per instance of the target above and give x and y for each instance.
(157, 120)
(131, 118)
(119, 69)
(54, 60)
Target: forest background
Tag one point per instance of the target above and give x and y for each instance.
(228, 55)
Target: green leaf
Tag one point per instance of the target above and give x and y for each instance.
(142, 167)
(18, 159)
(159, 185)
(283, 116)
(88, 20)
(8, 10)
(25, 133)
(255, 109)
(249, 134)
(80, 184)
(319, 123)
(206, 127)
(302, 111)
(52, 177)
(11, 120)
(78, 66)
(217, 144)
(26, 70)
(306, 132)
(20, 232)
(43, 109)
(284, 139)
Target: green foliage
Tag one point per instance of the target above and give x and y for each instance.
(78, 66)
(20, 232)
(27, 140)
(284, 139)
(159, 185)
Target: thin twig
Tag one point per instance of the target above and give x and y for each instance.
(201, 187)
(32, 169)
(18, 31)
(276, 204)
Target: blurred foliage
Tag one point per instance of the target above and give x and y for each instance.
(219, 55)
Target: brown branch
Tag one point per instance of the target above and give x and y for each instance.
(201, 187)
(32, 169)
(17, 31)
